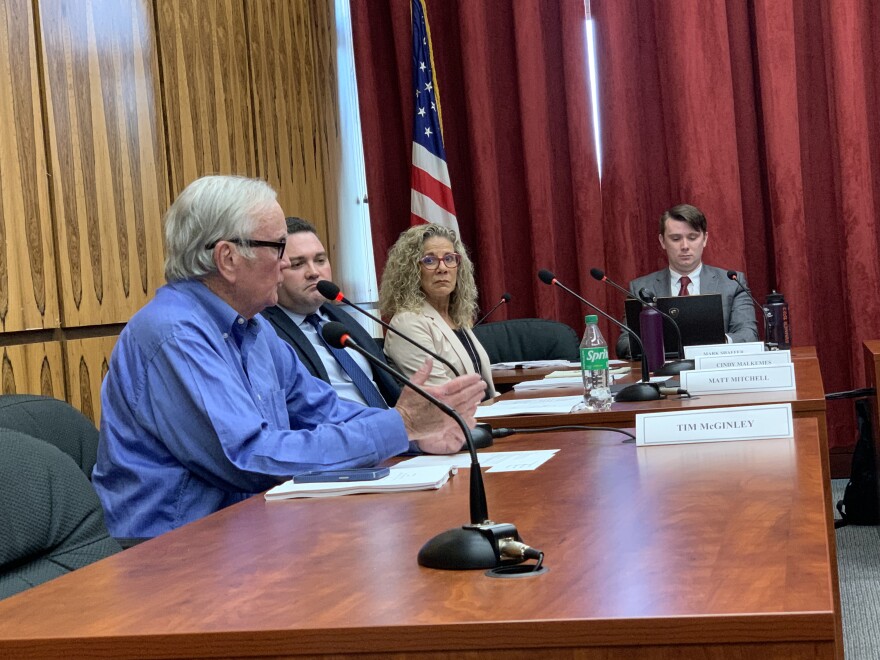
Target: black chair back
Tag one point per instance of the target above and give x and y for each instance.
(55, 422)
(521, 340)
(52, 520)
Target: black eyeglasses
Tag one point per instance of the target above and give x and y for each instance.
(252, 242)
(450, 260)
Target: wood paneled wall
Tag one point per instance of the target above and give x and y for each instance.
(28, 294)
(33, 369)
(108, 109)
(293, 60)
(208, 103)
(107, 154)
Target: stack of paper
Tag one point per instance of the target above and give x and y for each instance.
(535, 364)
(401, 479)
(543, 405)
(496, 461)
(549, 383)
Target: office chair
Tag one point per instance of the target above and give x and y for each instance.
(521, 340)
(55, 422)
(51, 521)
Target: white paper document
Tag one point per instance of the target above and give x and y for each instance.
(496, 461)
(572, 381)
(534, 364)
(543, 405)
(549, 383)
(564, 373)
(402, 478)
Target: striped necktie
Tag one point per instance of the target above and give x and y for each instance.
(360, 380)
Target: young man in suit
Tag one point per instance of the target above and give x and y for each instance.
(302, 310)
(683, 235)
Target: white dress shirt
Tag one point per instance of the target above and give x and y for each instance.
(339, 379)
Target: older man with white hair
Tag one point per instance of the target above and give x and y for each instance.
(204, 405)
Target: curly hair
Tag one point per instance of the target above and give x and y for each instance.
(401, 291)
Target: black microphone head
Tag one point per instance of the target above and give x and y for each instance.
(505, 297)
(597, 273)
(731, 275)
(546, 276)
(329, 290)
(647, 296)
(335, 334)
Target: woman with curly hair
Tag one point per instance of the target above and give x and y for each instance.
(429, 293)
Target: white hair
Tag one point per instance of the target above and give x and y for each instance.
(211, 209)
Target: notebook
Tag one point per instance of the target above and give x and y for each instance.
(401, 479)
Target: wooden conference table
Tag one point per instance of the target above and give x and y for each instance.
(808, 400)
(716, 550)
(514, 376)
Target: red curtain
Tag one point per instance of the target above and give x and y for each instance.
(763, 114)
(517, 128)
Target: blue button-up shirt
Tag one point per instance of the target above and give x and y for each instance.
(202, 408)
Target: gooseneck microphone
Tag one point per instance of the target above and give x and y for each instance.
(332, 292)
(505, 298)
(600, 275)
(643, 391)
(675, 366)
(765, 314)
(481, 544)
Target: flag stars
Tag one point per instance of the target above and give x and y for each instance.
(422, 66)
(433, 107)
(429, 87)
(421, 112)
(428, 132)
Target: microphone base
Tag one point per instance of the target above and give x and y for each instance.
(639, 392)
(481, 434)
(471, 547)
(675, 367)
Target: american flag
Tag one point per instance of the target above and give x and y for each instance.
(431, 189)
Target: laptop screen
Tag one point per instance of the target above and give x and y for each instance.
(700, 318)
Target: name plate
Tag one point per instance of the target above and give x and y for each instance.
(715, 425)
(775, 377)
(747, 348)
(764, 359)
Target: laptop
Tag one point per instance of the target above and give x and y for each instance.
(700, 318)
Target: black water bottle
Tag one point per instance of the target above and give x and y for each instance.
(778, 321)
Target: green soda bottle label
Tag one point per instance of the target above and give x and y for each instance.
(594, 358)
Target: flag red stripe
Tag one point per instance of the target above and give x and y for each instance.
(441, 194)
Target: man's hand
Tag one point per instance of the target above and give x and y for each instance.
(435, 431)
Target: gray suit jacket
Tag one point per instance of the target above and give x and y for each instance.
(289, 332)
(739, 312)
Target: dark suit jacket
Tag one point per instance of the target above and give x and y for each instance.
(739, 313)
(290, 333)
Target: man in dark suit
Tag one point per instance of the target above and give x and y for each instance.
(683, 235)
(302, 310)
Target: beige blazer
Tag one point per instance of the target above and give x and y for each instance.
(428, 328)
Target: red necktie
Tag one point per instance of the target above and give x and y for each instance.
(684, 281)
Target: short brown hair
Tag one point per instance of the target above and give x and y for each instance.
(296, 225)
(684, 213)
